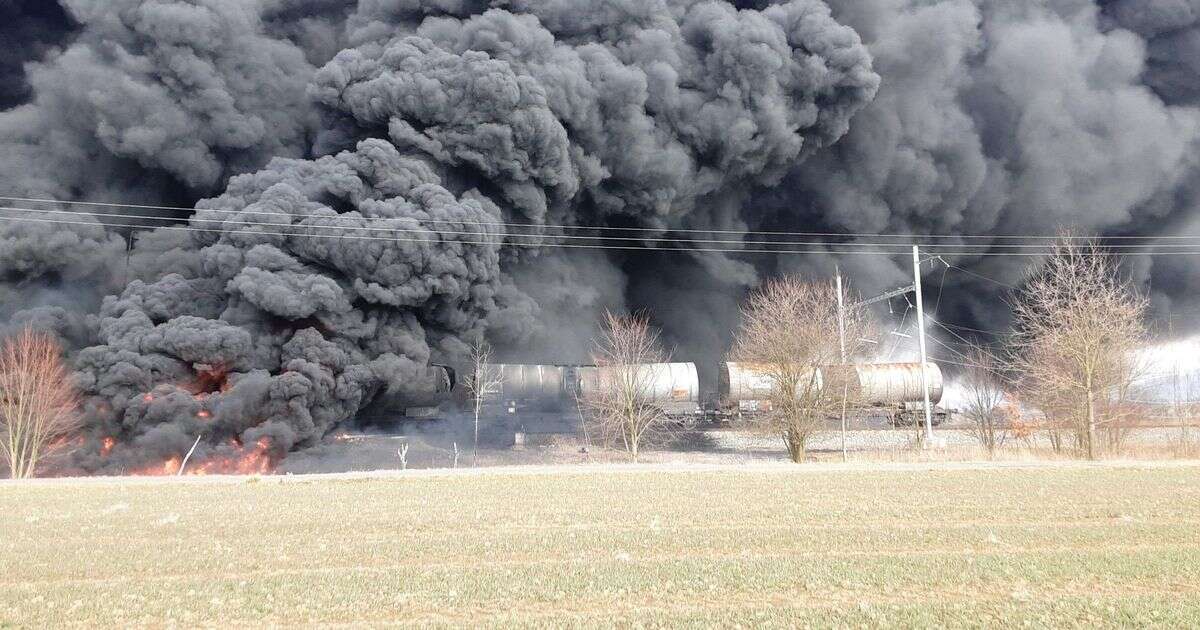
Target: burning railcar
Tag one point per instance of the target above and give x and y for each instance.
(419, 399)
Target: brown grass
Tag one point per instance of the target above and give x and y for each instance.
(1070, 545)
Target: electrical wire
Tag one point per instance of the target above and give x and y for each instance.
(498, 243)
(941, 285)
(899, 329)
(831, 248)
(978, 330)
(959, 363)
(967, 362)
(426, 230)
(978, 347)
(1052, 238)
(982, 277)
(839, 247)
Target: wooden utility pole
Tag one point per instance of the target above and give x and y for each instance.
(842, 346)
(841, 315)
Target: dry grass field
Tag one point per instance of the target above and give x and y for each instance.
(1072, 545)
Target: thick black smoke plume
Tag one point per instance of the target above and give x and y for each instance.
(357, 160)
(351, 163)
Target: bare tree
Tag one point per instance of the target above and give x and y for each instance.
(984, 404)
(38, 403)
(618, 394)
(789, 333)
(1079, 325)
(481, 384)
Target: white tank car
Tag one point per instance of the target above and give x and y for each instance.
(891, 383)
(675, 387)
(896, 387)
(530, 382)
(749, 386)
(663, 382)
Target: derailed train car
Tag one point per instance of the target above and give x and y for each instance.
(894, 389)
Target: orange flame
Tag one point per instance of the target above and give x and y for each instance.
(106, 446)
(210, 379)
(256, 460)
(171, 466)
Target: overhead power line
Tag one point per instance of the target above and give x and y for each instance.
(964, 340)
(978, 330)
(907, 237)
(981, 276)
(306, 231)
(901, 247)
(958, 363)
(829, 246)
(496, 242)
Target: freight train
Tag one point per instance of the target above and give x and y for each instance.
(743, 391)
(890, 389)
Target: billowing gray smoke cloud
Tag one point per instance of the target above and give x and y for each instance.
(333, 122)
(644, 121)
(1171, 29)
(28, 28)
(280, 332)
(148, 102)
(347, 264)
(1000, 118)
(182, 93)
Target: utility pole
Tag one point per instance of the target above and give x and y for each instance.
(128, 254)
(921, 338)
(841, 315)
(842, 344)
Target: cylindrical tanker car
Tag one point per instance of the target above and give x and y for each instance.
(748, 386)
(896, 388)
(742, 391)
(661, 382)
(674, 387)
(537, 387)
(419, 397)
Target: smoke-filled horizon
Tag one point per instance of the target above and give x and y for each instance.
(437, 116)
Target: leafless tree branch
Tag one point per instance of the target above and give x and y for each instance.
(482, 383)
(1078, 326)
(984, 400)
(789, 334)
(38, 403)
(619, 394)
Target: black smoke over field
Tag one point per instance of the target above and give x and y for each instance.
(353, 163)
(998, 118)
